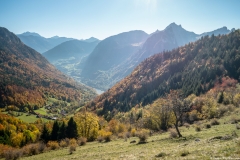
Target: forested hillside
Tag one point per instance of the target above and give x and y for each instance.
(27, 79)
(193, 68)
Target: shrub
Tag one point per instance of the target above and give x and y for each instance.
(104, 135)
(63, 143)
(73, 141)
(143, 135)
(107, 137)
(121, 128)
(198, 128)
(215, 122)
(133, 132)
(53, 145)
(193, 115)
(41, 147)
(72, 148)
(222, 110)
(82, 141)
(8, 155)
(100, 139)
(207, 125)
(34, 149)
(173, 133)
(127, 134)
(26, 150)
(121, 135)
(13, 154)
(31, 149)
(3, 149)
(67, 140)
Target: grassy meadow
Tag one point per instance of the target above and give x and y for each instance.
(218, 142)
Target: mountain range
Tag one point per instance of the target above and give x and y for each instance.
(106, 66)
(101, 64)
(42, 44)
(28, 79)
(193, 68)
(39, 43)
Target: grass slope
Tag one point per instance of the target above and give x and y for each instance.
(161, 145)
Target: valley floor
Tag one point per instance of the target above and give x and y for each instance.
(204, 144)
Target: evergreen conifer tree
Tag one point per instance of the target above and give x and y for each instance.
(62, 131)
(71, 130)
(45, 136)
(55, 131)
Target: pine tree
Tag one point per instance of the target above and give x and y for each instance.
(71, 130)
(62, 131)
(55, 131)
(45, 136)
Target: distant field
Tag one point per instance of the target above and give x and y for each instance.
(197, 145)
(41, 111)
(29, 118)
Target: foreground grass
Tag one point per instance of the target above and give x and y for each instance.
(195, 145)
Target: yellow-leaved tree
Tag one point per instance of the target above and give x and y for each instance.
(87, 125)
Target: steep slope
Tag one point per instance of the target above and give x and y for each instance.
(171, 37)
(108, 54)
(28, 79)
(193, 68)
(39, 43)
(72, 48)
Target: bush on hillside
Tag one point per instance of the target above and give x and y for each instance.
(82, 141)
(53, 145)
(143, 135)
(173, 133)
(215, 122)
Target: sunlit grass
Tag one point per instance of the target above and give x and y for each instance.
(194, 145)
(41, 111)
(28, 118)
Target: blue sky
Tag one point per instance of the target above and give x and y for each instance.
(82, 19)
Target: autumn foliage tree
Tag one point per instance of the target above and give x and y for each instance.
(87, 125)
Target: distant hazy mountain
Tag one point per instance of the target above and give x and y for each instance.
(72, 48)
(92, 39)
(28, 79)
(108, 54)
(39, 43)
(216, 32)
(173, 36)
